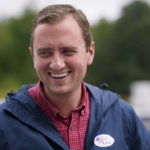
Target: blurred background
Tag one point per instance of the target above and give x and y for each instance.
(121, 31)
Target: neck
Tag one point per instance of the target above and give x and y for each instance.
(66, 103)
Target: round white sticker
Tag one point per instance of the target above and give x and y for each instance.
(104, 140)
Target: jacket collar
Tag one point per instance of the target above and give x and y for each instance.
(24, 108)
(100, 103)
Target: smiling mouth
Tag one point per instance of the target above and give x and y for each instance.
(59, 75)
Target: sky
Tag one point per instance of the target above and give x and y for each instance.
(94, 9)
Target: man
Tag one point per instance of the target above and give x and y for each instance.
(61, 112)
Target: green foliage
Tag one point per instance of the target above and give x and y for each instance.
(15, 60)
(13, 85)
(122, 50)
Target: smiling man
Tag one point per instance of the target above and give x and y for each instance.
(60, 57)
(61, 112)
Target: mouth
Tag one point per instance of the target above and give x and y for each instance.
(59, 75)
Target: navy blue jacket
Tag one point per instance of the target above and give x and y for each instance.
(113, 125)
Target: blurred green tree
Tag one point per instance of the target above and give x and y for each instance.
(123, 49)
(15, 60)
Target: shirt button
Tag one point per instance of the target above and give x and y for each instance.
(72, 128)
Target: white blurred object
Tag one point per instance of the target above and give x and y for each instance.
(140, 100)
(1, 100)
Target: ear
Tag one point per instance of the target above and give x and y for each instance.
(32, 54)
(91, 53)
(31, 51)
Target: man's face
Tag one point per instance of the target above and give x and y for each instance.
(60, 56)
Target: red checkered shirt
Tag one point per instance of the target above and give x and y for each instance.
(72, 128)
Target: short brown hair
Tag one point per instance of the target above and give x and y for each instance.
(54, 13)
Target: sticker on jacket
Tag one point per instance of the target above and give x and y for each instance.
(104, 140)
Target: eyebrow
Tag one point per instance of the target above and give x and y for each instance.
(68, 47)
(49, 49)
(41, 49)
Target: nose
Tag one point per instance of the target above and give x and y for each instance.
(57, 62)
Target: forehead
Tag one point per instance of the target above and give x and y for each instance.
(66, 19)
(66, 24)
(65, 30)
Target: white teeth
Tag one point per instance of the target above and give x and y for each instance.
(59, 75)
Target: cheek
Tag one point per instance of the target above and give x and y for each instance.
(74, 63)
(80, 66)
(79, 62)
(40, 65)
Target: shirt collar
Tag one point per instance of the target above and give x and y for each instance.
(38, 95)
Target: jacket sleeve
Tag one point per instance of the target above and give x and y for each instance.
(137, 136)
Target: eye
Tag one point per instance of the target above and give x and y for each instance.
(45, 53)
(69, 52)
